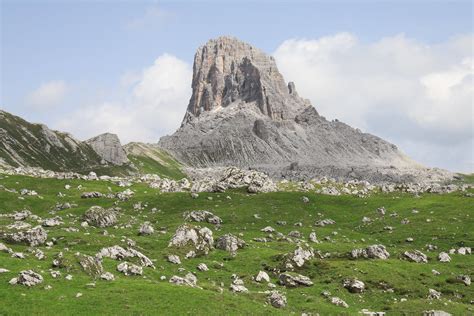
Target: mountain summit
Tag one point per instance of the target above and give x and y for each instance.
(242, 113)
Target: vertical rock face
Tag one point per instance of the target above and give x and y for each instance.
(242, 113)
(227, 70)
(108, 147)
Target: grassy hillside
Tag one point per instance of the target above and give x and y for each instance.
(442, 220)
(152, 159)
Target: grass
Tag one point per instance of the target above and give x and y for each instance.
(451, 225)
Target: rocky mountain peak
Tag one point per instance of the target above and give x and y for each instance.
(228, 71)
(108, 147)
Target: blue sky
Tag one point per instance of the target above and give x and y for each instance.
(89, 47)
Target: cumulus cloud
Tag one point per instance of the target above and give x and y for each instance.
(154, 106)
(48, 94)
(416, 95)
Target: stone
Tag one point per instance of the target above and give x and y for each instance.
(100, 217)
(229, 243)
(325, 222)
(300, 255)
(371, 252)
(262, 276)
(107, 276)
(91, 195)
(290, 279)
(434, 295)
(146, 229)
(276, 299)
(202, 216)
(174, 259)
(51, 222)
(464, 278)
(313, 237)
(129, 269)
(34, 237)
(415, 256)
(338, 302)
(189, 280)
(268, 229)
(28, 278)
(305, 199)
(202, 267)
(444, 257)
(91, 265)
(354, 285)
(108, 147)
(435, 313)
(200, 239)
(119, 253)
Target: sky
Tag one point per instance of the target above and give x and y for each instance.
(402, 70)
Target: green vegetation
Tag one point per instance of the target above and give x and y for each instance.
(155, 160)
(442, 220)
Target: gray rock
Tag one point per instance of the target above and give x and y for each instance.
(174, 259)
(34, 237)
(229, 243)
(200, 239)
(262, 276)
(434, 295)
(119, 253)
(444, 257)
(290, 279)
(108, 147)
(129, 268)
(202, 216)
(107, 276)
(100, 217)
(464, 278)
(242, 113)
(354, 285)
(189, 280)
(435, 313)
(338, 302)
(202, 267)
(146, 229)
(371, 252)
(27, 278)
(276, 299)
(325, 222)
(91, 195)
(415, 256)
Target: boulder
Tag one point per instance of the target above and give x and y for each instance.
(100, 217)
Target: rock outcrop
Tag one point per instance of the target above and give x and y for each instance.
(242, 113)
(108, 147)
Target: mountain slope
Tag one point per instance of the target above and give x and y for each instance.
(24, 144)
(242, 113)
(149, 158)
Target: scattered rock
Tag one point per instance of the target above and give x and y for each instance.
(354, 285)
(146, 229)
(290, 279)
(444, 257)
(27, 278)
(276, 299)
(415, 256)
(202, 216)
(371, 252)
(100, 217)
(189, 280)
(229, 243)
(193, 236)
(262, 276)
(174, 259)
(129, 269)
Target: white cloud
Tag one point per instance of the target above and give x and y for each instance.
(48, 94)
(416, 95)
(153, 16)
(154, 106)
